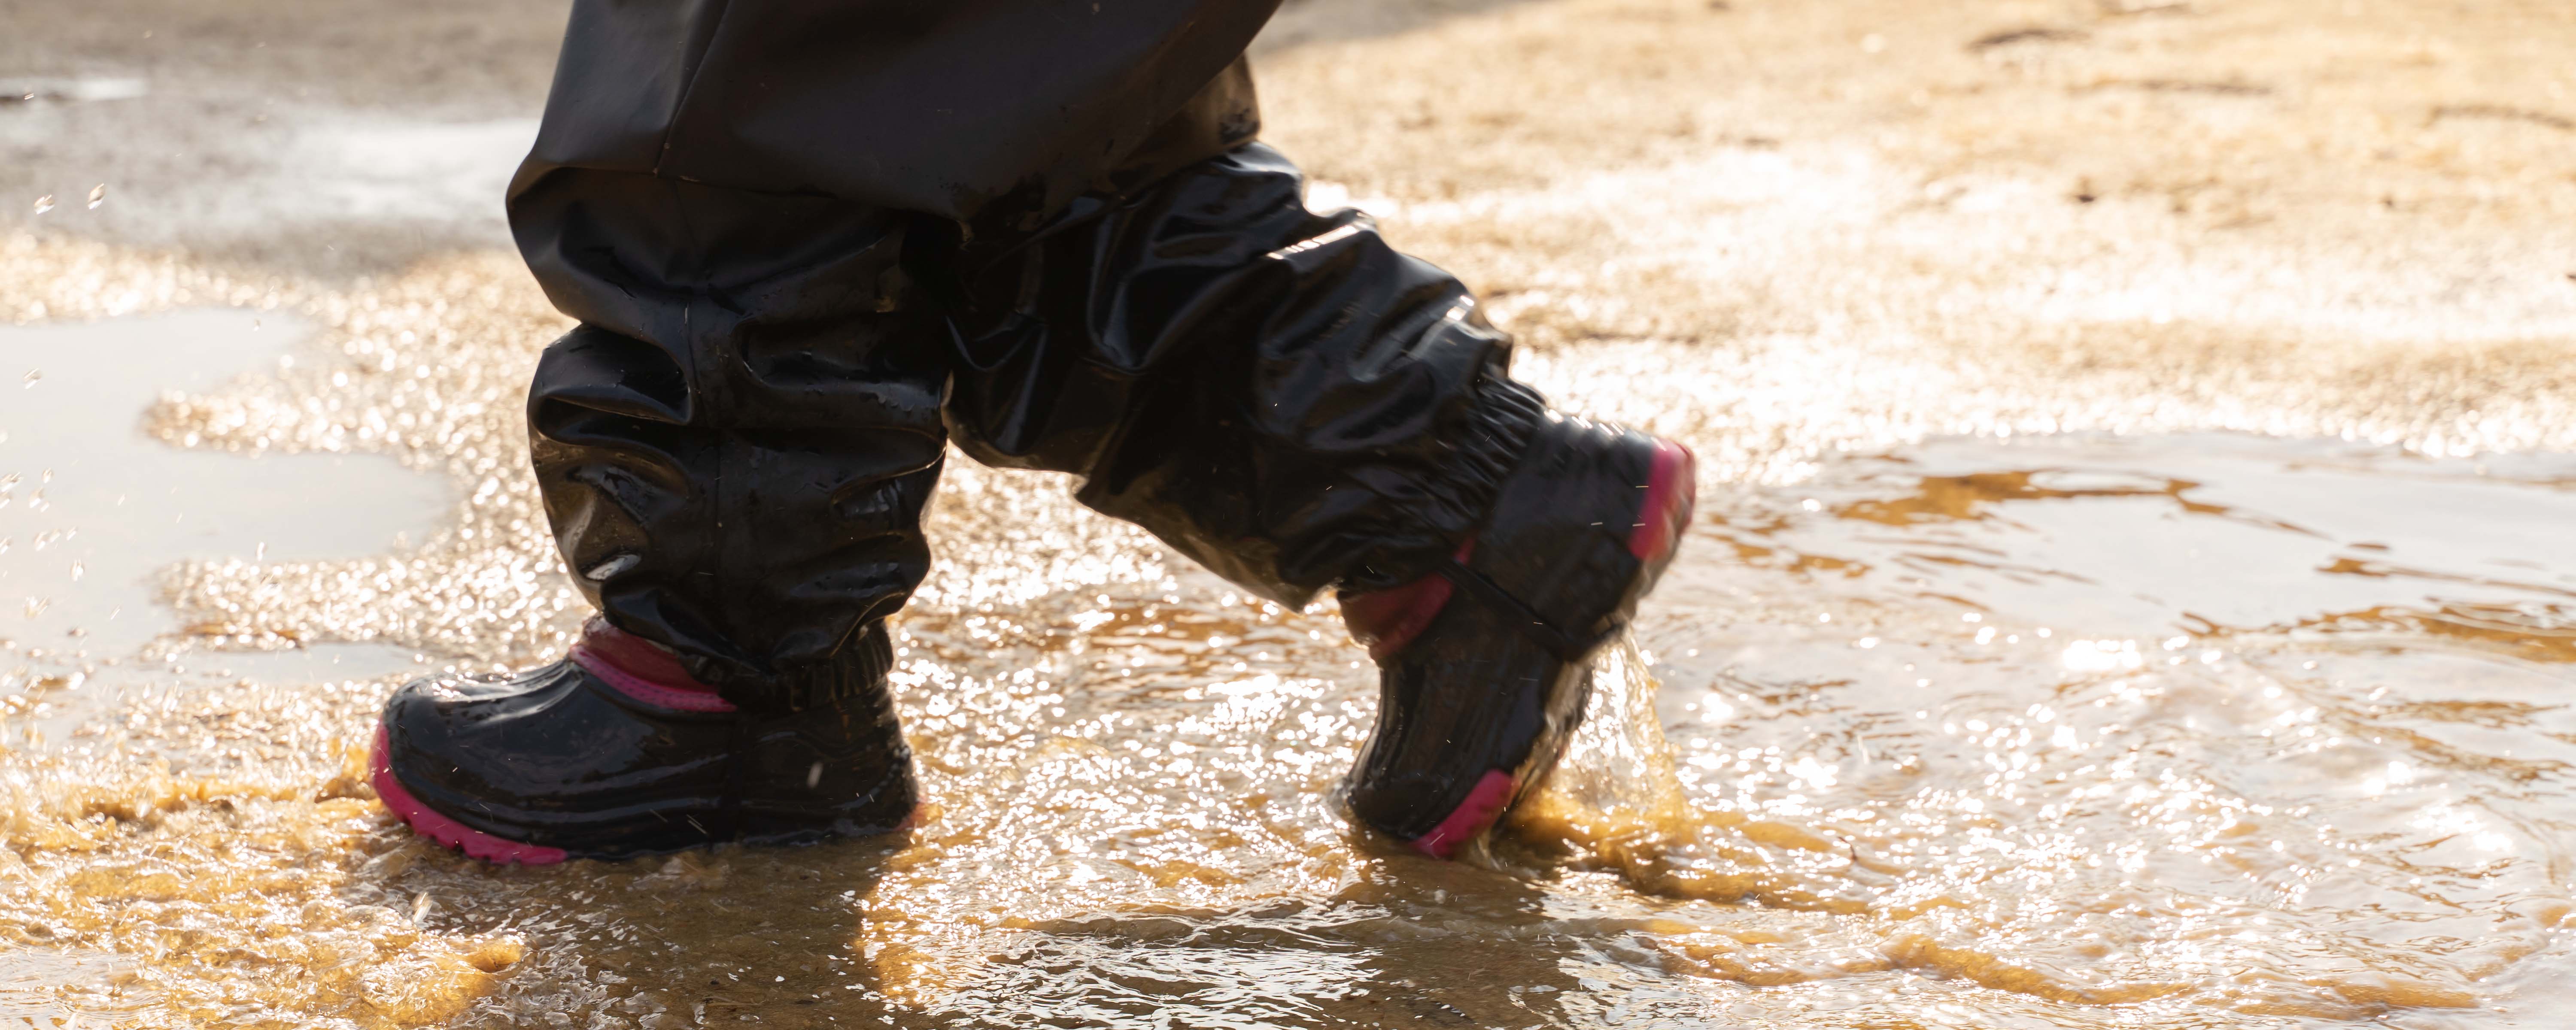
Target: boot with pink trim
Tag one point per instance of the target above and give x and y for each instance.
(616, 752)
(1485, 664)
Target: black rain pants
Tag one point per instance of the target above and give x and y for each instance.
(809, 245)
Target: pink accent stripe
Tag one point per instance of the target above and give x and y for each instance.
(647, 691)
(1387, 620)
(641, 658)
(1672, 491)
(448, 832)
(1483, 804)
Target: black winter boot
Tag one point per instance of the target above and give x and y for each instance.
(616, 752)
(1484, 666)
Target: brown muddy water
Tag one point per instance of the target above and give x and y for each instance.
(2165, 729)
(2132, 588)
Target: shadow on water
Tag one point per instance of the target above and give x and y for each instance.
(1416, 943)
(772, 936)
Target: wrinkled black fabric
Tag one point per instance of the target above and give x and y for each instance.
(780, 331)
(1277, 394)
(735, 451)
(936, 106)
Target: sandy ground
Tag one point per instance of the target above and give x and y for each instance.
(2226, 201)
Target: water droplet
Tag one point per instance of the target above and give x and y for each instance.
(44, 203)
(97, 196)
(33, 374)
(77, 570)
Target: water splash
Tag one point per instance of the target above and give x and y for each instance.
(1618, 770)
(1616, 803)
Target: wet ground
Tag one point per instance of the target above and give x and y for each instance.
(2131, 591)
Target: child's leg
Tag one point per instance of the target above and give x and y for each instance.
(734, 449)
(1285, 398)
(735, 446)
(1279, 395)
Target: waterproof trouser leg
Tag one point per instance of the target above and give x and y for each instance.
(739, 473)
(959, 109)
(1275, 393)
(736, 445)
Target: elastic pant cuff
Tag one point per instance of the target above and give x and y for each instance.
(1507, 414)
(854, 676)
(1460, 496)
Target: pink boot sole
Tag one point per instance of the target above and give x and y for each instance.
(448, 832)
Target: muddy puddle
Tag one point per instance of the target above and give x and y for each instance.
(2175, 729)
